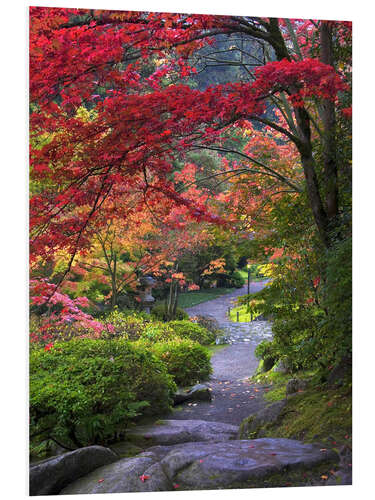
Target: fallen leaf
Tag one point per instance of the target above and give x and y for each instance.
(143, 478)
(100, 480)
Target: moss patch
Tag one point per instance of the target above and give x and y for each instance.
(318, 414)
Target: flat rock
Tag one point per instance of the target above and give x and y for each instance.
(50, 476)
(201, 465)
(123, 476)
(168, 432)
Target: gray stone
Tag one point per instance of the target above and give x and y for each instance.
(202, 465)
(226, 465)
(294, 385)
(254, 426)
(123, 476)
(168, 432)
(49, 476)
(198, 392)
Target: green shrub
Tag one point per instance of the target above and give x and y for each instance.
(189, 330)
(187, 361)
(86, 391)
(157, 332)
(159, 312)
(129, 325)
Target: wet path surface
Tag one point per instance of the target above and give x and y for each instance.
(234, 397)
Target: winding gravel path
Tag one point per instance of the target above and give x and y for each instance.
(234, 397)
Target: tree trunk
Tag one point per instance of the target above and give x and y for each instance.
(113, 283)
(312, 185)
(328, 117)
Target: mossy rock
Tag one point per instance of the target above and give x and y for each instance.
(255, 425)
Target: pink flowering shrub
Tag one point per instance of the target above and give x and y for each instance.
(62, 318)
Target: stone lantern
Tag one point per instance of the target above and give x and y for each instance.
(147, 300)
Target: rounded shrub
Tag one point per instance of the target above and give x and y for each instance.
(87, 391)
(159, 312)
(189, 330)
(187, 361)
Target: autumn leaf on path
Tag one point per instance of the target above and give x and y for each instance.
(143, 478)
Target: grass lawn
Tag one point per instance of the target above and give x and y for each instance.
(243, 315)
(189, 299)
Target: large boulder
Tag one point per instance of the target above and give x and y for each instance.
(255, 425)
(49, 476)
(202, 465)
(168, 432)
(199, 392)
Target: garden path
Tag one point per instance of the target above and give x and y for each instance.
(234, 397)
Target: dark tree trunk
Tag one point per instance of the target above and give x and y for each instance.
(328, 117)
